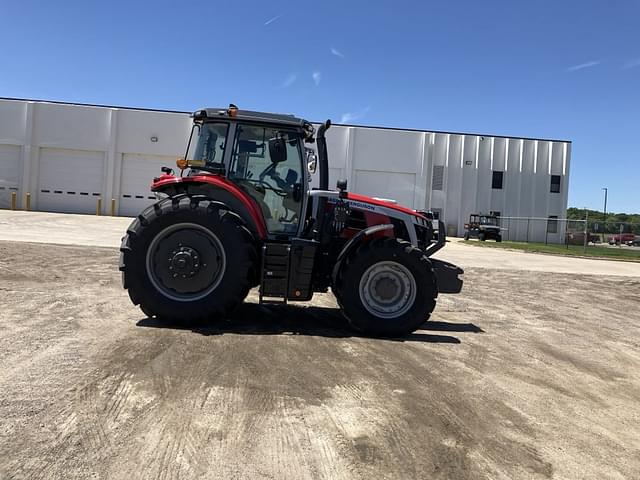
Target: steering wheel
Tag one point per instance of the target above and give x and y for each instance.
(267, 171)
(263, 184)
(270, 171)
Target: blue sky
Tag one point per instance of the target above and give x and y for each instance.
(550, 69)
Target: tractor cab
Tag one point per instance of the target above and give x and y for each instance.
(263, 154)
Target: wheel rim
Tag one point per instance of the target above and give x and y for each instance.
(185, 262)
(387, 289)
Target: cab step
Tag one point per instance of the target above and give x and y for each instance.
(274, 283)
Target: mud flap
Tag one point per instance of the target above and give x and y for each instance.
(447, 275)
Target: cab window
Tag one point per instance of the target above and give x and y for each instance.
(208, 144)
(266, 162)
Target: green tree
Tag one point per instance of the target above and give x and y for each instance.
(630, 221)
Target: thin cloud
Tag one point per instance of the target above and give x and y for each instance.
(582, 66)
(349, 117)
(290, 80)
(271, 20)
(632, 64)
(337, 53)
(317, 76)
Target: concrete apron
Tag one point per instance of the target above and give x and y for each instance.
(104, 231)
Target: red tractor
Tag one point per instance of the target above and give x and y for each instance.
(241, 214)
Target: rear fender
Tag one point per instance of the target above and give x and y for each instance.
(239, 201)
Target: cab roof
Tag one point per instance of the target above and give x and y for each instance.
(234, 113)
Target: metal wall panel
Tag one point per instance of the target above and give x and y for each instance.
(13, 117)
(71, 127)
(10, 173)
(386, 150)
(526, 187)
(452, 215)
(138, 172)
(540, 204)
(469, 190)
(153, 133)
(437, 199)
(396, 186)
(485, 176)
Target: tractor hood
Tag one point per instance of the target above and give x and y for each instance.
(369, 203)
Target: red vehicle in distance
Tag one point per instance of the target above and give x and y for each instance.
(621, 238)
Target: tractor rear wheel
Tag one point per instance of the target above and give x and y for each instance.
(187, 258)
(387, 288)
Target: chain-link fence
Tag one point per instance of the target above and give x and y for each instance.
(539, 230)
(565, 231)
(615, 233)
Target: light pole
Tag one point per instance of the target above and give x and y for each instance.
(606, 190)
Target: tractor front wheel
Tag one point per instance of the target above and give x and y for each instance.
(187, 258)
(387, 288)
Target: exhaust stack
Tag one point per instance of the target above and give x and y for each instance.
(321, 142)
(322, 155)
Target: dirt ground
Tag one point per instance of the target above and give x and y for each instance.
(524, 375)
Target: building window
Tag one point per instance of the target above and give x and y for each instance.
(438, 177)
(552, 224)
(496, 181)
(555, 184)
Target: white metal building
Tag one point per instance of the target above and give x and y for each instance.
(67, 156)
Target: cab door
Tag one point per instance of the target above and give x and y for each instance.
(267, 163)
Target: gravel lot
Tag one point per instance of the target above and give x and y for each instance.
(524, 375)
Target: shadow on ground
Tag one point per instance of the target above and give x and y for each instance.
(254, 319)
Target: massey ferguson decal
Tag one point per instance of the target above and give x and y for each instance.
(359, 205)
(363, 206)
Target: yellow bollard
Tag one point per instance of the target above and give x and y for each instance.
(27, 201)
(14, 200)
(99, 207)
(113, 207)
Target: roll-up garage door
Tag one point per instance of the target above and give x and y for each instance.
(10, 173)
(138, 172)
(70, 181)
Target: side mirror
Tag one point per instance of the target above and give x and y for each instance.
(312, 161)
(278, 150)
